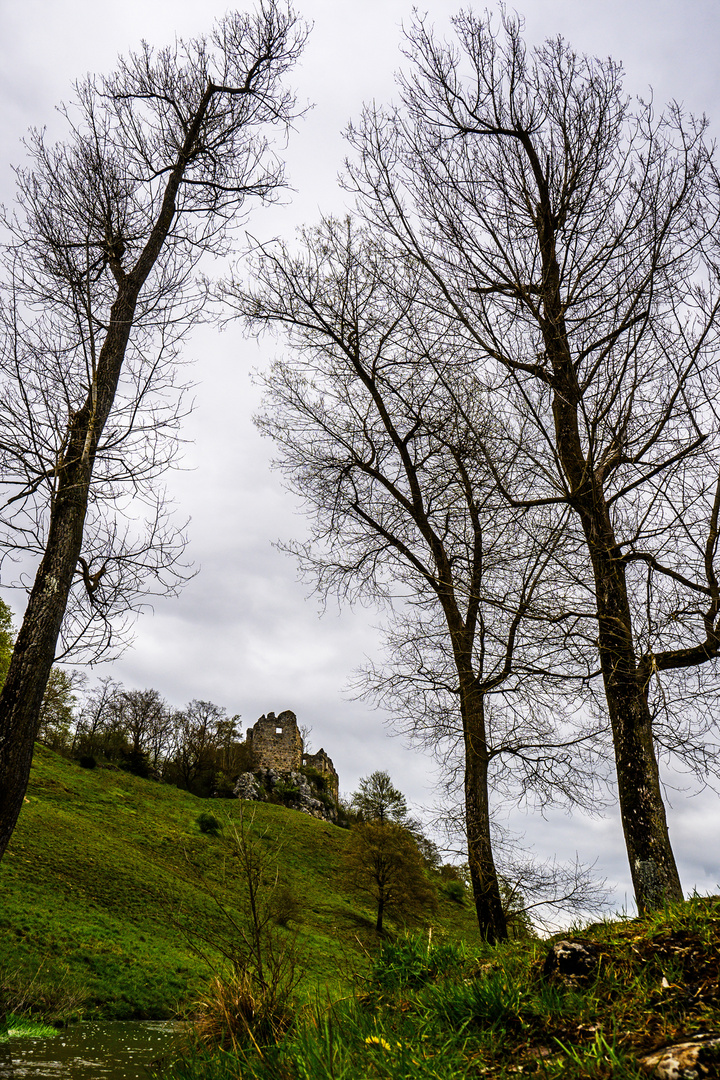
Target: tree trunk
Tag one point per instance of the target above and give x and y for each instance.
(483, 875)
(652, 863)
(34, 651)
(380, 910)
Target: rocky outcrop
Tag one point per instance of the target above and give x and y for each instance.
(291, 788)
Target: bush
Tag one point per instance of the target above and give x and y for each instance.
(285, 794)
(87, 761)
(316, 778)
(208, 824)
(285, 905)
(455, 891)
(236, 1011)
(223, 786)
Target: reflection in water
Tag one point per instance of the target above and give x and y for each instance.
(102, 1050)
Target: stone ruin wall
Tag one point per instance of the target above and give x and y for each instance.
(275, 742)
(322, 764)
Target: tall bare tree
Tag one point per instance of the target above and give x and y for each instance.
(161, 158)
(572, 235)
(387, 461)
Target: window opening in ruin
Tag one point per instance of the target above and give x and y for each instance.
(278, 731)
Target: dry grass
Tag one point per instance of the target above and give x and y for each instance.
(233, 1013)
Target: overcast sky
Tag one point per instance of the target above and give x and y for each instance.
(244, 634)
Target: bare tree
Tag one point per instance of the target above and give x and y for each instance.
(387, 461)
(146, 724)
(570, 235)
(161, 158)
(95, 718)
(200, 734)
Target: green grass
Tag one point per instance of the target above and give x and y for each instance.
(108, 877)
(22, 1026)
(439, 1010)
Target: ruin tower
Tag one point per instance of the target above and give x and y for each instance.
(322, 764)
(276, 743)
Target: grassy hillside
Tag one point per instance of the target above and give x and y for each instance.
(108, 888)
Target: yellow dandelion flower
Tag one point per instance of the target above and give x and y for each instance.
(375, 1040)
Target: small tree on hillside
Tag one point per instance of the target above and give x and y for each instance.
(383, 860)
(378, 800)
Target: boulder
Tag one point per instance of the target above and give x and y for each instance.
(572, 960)
(248, 786)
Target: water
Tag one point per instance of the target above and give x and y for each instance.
(102, 1050)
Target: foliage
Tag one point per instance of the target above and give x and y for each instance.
(383, 860)
(197, 747)
(377, 799)
(413, 960)
(208, 823)
(57, 712)
(438, 1011)
(286, 906)
(456, 891)
(7, 639)
(21, 1026)
(232, 1013)
(51, 991)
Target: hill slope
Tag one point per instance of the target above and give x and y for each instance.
(109, 889)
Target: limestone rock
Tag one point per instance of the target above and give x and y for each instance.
(572, 960)
(249, 787)
(293, 787)
(695, 1059)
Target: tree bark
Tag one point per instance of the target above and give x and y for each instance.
(34, 650)
(652, 863)
(483, 874)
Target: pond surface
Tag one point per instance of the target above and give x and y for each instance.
(102, 1050)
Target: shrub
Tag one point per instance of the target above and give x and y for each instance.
(455, 891)
(285, 794)
(316, 778)
(223, 786)
(208, 824)
(87, 761)
(236, 1011)
(285, 905)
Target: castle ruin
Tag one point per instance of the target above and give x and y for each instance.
(275, 742)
